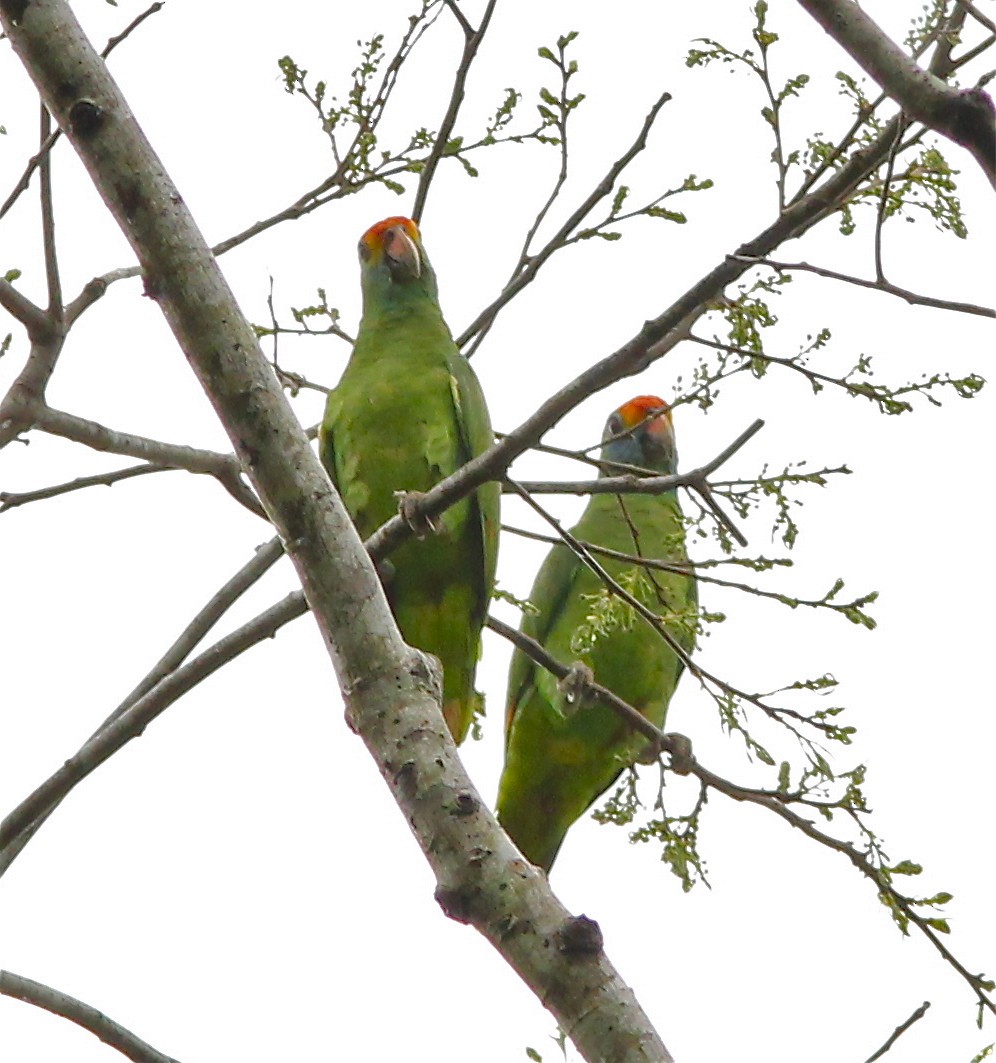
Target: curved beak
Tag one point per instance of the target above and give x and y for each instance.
(402, 254)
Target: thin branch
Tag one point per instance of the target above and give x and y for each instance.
(679, 747)
(529, 265)
(55, 311)
(632, 484)
(13, 499)
(166, 667)
(194, 632)
(978, 15)
(113, 42)
(472, 42)
(775, 802)
(883, 203)
(224, 467)
(50, 140)
(133, 721)
(881, 286)
(22, 309)
(109, 1031)
(899, 1031)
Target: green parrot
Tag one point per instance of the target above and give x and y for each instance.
(558, 761)
(408, 412)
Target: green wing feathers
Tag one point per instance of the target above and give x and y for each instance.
(556, 765)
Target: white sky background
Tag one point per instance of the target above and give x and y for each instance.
(239, 884)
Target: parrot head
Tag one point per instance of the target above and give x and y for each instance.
(640, 433)
(393, 261)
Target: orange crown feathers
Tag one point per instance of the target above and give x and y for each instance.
(639, 409)
(374, 236)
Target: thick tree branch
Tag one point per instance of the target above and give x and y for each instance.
(966, 116)
(109, 1031)
(391, 692)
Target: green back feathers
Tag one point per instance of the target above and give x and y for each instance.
(407, 413)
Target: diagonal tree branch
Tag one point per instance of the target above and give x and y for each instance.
(966, 116)
(109, 1031)
(899, 1031)
(391, 691)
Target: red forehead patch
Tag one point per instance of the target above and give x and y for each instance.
(374, 236)
(638, 409)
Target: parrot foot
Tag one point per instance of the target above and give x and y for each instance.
(410, 508)
(385, 570)
(575, 687)
(678, 746)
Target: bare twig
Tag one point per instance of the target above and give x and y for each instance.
(133, 721)
(530, 264)
(979, 17)
(137, 21)
(882, 286)
(472, 42)
(635, 484)
(55, 310)
(164, 668)
(13, 499)
(109, 1031)
(899, 1031)
(50, 139)
(224, 467)
(883, 204)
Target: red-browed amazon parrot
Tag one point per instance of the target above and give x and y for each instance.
(408, 412)
(558, 761)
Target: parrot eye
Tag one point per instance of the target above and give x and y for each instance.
(364, 250)
(614, 426)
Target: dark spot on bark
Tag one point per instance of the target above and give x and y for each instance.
(86, 119)
(466, 804)
(478, 855)
(580, 936)
(14, 9)
(150, 289)
(454, 903)
(130, 196)
(406, 779)
(66, 92)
